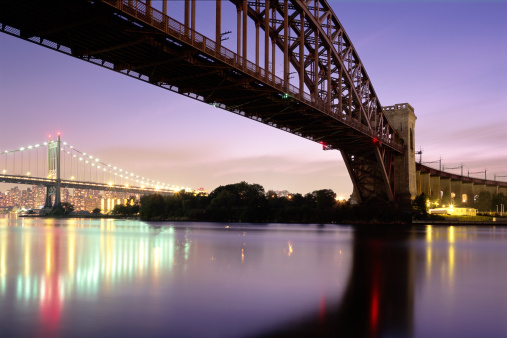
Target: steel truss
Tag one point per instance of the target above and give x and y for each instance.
(334, 103)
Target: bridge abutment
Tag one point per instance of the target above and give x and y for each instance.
(402, 118)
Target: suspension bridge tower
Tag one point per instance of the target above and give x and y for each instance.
(53, 191)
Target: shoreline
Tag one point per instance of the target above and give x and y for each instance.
(501, 221)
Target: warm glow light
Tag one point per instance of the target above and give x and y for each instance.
(291, 249)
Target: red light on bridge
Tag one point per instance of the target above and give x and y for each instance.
(323, 145)
(376, 141)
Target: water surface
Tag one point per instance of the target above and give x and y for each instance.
(105, 277)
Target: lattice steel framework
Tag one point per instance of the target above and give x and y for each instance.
(334, 102)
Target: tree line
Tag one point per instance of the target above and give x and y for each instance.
(244, 202)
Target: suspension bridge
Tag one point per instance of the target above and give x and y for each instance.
(55, 164)
(321, 92)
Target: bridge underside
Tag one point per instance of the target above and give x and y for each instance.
(98, 33)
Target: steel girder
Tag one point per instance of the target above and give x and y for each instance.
(132, 38)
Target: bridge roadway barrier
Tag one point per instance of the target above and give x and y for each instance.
(71, 184)
(436, 184)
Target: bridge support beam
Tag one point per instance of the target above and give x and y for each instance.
(402, 117)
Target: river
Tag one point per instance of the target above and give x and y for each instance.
(127, 278)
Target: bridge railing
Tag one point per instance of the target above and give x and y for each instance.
(161, 21)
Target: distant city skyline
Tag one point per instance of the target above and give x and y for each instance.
(33, 197)
(446, 59)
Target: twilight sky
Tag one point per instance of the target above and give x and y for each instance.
(447, 59)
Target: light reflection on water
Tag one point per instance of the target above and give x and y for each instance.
(102, 277)
(234, 281)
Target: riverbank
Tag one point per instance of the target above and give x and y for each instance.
(462, 220)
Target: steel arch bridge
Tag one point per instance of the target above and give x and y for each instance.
(323, 93)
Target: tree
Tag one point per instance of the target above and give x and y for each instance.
(420, 206)
(96, 211)
(67, 208)
(153, 208)
(238, 202)
(484, 201)
(498, 200)
(325, 202)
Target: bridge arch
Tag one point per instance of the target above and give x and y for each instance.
(335, 103)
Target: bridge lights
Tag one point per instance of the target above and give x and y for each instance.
(376, 142)
(28, 174)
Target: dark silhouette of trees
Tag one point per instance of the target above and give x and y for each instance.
(244, 202)
(420, 206)
(484, 201)
(64, 208)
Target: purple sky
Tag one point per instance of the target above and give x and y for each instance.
(446, 59)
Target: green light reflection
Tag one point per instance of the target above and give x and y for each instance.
(81, 259)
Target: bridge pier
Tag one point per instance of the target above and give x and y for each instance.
(402, 117)
(435, 188)
(445, 185)
(456, 190)
(467, 188)
(425, 184)
(478, 188)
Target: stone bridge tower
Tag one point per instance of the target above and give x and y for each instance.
(402, 118)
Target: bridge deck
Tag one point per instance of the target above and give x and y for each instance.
(442, 174)
(71, 184)
(169, 55)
